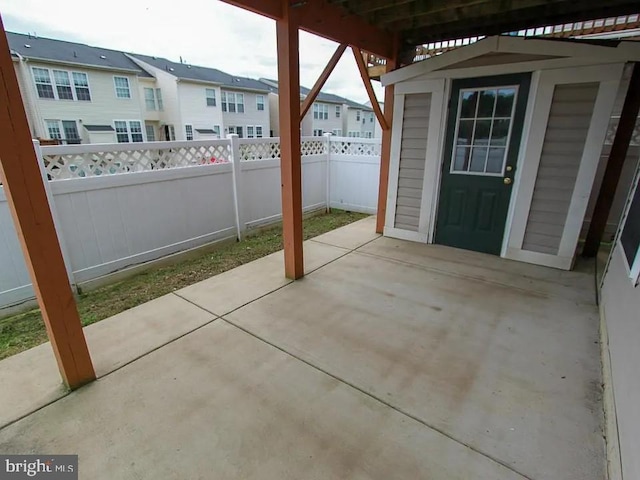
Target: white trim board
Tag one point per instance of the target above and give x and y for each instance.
(563, 50)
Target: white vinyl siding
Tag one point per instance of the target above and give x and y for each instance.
(413, 149)
(121, 84)
(562, 149)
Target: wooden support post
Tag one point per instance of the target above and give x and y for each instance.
(364, 74)
(385, 153)
(290, 153)
(308, 101)
(617, 157)
(25, 190)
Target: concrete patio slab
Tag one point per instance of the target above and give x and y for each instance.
(351, 236)
(577, 286)
(220, 404)
(31, 380)
(230, 290)
(514, 374)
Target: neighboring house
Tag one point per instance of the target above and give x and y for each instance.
(75, 93)
(200, 102)
(377, 129)
(329, 114)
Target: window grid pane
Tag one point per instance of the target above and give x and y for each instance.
(151, 133)
(43, 83)
(149, 99)
(260, 102)
(479, 127)
(122, 87)
(136, 132)
(122, 131)
(63, 84)
(211, 97)
(258, 132)
(188, 129)
(53, 127)
(159, 99)
(81, 84)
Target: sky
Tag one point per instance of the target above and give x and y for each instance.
(209, 33)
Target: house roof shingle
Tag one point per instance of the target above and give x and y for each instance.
(322, 96)
(47, 49)
(204, 74)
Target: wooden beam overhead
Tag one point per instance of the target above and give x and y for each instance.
(364, 74)
(267, 8)
(311, 97)
(25, 190)
(325, 19)
(613, 171)
(290, 153)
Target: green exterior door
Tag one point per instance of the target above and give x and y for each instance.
(483, 136)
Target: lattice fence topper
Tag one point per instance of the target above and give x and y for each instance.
(613, 127)
(92, 164)
(347, 147)
(313, 147)
(259, 151)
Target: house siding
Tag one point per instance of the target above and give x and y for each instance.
(566, 133)
(251, 116)
(413, 147)
(103, 108)
(194, 109)
(620, 304)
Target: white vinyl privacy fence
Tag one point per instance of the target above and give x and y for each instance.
(120, 205)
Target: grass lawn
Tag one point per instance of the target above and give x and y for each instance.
(23, 331)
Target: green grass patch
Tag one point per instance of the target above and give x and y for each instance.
(25, 330)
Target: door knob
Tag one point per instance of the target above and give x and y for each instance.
(507, 181)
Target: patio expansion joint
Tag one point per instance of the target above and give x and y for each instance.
(467, 277)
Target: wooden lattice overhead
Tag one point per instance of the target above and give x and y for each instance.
(423, 21)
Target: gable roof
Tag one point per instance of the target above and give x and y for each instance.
(505, 49)
(186, 71)
(322, 96)
(59, 51)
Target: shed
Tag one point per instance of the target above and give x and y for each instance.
(495, 146)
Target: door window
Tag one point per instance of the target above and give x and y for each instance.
(483, 128)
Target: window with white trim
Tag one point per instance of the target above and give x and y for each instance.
(128, 131)
(483, 128)
(210, 94)
(81, 86)
(121, 84)
(353, 134)
(216, 130)
(232, 102)
(318, 132)
(63, 84)
(151, 132)
(358, 115)
(320, 111)
(150, 98)
(188, 130)
(236, 130)
(369, 135)
(371, 117)
(64, 130)
(337, 132)
(159, 99)
(249, 131)
(260, 103)
(43, 83)
(338, 111)
(258, 131)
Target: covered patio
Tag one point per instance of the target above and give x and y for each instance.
(390, 359)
